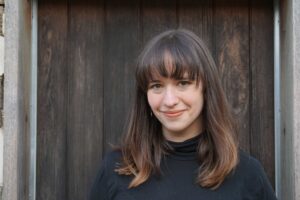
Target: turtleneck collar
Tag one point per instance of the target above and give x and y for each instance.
(186, 150)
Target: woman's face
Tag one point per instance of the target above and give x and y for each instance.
(177, 104)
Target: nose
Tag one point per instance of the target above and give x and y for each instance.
(170, 98)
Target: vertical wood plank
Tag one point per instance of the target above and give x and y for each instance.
(158, 16)
(85, 113)
(232, 58)
(86, 74)
(120, 51)
(262, 69)
(197, 16)
(52, 101)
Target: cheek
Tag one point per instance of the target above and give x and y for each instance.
(201, 103)
(197, 102)
(153, 101)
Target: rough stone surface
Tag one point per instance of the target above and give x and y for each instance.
(296, 98)
(16, 101)
(287, 157)
(290, 80)
(1, 19)
(11, 99)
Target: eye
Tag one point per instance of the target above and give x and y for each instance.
(184, 83)
(155, 87)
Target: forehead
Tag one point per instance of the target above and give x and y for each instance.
(170, 67)
(155, 75)
(167, 63)
(175, 61)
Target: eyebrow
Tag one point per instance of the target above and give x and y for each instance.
(154, 81)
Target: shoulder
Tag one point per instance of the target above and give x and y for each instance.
(111, 160)
(112, 156)
(248, 170)
(251, 168)
(255, 180)
(249, 163)
(105, 184)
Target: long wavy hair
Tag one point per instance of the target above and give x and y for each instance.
(144, 145)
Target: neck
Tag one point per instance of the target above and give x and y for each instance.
(191, 131)
(179, 137)
(186, 150)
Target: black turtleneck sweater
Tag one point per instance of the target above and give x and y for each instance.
(177, 182)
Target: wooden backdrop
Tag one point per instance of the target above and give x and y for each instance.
(86, 51)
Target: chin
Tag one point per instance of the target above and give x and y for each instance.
(176, 130)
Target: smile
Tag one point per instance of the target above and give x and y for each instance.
(172, 114)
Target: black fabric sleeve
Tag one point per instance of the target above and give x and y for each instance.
(268, 192)
(265, 190)
(99, 190)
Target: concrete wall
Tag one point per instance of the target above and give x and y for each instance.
(1, 129)
(296, 91)
(290, 98)
(1, 72)
(17, 76)
(17, 61)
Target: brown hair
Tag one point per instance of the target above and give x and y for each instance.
(144, 144)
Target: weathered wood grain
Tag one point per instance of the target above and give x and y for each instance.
(262, 84)
(197, 16)
(87, 53)
(157, 16)
(231, 24)
(52, 102)
(85, 95)
(120, 51)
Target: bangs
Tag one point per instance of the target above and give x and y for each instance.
(169, 58)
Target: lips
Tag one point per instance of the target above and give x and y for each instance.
(173, 114)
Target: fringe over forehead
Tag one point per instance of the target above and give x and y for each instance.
(172, 54)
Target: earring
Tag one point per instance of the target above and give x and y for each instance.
(151, 114)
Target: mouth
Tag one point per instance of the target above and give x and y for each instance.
(173, 114)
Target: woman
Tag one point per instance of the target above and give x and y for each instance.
(181, 141)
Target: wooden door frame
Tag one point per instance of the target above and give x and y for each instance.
(19, 112)
(277, 115)
(17, 62)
